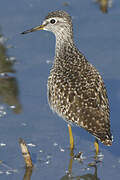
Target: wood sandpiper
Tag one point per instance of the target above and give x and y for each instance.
(76, 91)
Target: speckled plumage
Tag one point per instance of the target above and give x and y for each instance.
(76, 90)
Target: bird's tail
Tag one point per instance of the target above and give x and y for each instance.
(105, 137)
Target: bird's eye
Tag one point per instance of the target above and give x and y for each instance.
(52, 21)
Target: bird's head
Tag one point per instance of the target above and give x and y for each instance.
(58, 22)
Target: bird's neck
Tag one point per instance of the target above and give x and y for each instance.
(66, 52)
(63, 44)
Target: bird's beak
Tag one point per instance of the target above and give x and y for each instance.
(41, 27)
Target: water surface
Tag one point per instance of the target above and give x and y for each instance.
(25, 62)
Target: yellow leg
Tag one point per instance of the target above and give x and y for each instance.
(96, 146)
(71, 137)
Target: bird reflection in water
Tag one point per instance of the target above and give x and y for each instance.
(28, 173)
(86, 176)
(9, 91)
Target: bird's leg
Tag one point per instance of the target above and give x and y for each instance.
(71, 137)
(96, 146)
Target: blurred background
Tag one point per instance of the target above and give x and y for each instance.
(25, 62)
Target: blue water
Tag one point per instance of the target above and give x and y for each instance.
(24, 111)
